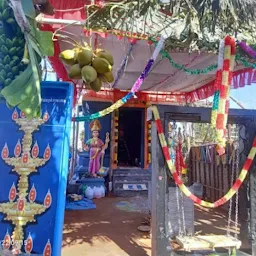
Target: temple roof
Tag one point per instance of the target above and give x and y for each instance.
(185, 36)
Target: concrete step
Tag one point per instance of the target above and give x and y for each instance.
(131, 181)
(131, 169)
(131, 173)
(119, 184)
(131, 178)
(119, 192)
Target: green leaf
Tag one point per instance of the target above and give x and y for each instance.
(41, 41)
(35, 69)
(44, 39)
(28, 8)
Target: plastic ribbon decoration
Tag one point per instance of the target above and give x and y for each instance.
(131, 94)
(219, 119)
(182, 67)
(179, 181)
(216, 96)
(123, 65)
(247, 49)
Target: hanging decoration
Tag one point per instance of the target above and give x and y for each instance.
(116, 130)
(179, 181)
(245, 63)
(199, 94)
(209, 68)
(131, 94)
(169, 77)
(215, 104)
(123, 65)
(23, 47)
(149, 141)
(93, 67)
(247, 49)
(223, 84)
(240, 79)
(182, 67)
(56, 63)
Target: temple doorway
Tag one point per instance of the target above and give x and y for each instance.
(131, 138)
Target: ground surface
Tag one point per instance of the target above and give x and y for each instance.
(109, 231)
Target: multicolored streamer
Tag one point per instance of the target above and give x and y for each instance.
(138, 83)
(131, 94)
(221, 99)
(179, 181)
(216, 97)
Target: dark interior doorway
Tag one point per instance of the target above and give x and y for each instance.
(131, 137)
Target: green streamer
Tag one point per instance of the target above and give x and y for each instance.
(205, 70)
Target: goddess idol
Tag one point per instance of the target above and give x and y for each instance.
(97, 148)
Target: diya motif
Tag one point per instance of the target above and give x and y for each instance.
(21, 208)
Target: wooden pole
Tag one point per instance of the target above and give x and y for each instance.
(42, 20)
(252, 197)
(158, 181)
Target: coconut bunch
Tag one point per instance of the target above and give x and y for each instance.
(94, 67)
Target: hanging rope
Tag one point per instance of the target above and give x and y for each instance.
(235, 171)
(179, 181)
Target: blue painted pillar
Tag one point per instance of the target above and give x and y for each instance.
(34, 168)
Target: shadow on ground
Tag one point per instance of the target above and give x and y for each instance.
(105, 231)
(108, 231)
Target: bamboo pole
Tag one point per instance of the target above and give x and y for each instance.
(237, 102)
(43, 20)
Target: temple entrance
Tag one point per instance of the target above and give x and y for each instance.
(131, 137)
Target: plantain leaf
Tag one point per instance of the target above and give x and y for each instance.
(44, 39)
(28, 8)
(35, 69)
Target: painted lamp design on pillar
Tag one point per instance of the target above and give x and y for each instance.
(21, 207)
